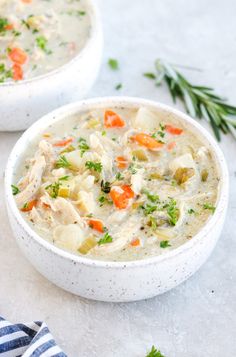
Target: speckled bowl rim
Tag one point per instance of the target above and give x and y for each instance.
(95, 24)
(82, 105)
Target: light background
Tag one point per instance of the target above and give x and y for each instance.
(197, 318)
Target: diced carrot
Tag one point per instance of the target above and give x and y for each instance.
(171, 145)
(113, 120)
(63, 142)
(96, 224)
(9, 27)
(173, 130)
(17, 72)
(17, 55)
(45, 205)
(129, 193)
(135, 243)
(121, 162)
(26, 1)
(29, 206)
(121, 195)
(147, 141)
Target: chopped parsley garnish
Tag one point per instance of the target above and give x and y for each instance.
(105, 186)
(150, 75)
(113, 64)
(96, 166)
(119, 176)
(63, 162)
(103, 199)
(154, 353)
(4, 73)
(54, 187)
(172, 211)
(132, 168)
(118, 86)
(160, 133)
(165, 244)
(3, 24)
(76, 12)
(42, 42)
(191, 211)
(15, 190)
(210, 207)
(105, 239)
(148, 209)
(83, 146)
(151, 197)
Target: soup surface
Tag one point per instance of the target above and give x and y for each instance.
(37, 36)
(117, 184)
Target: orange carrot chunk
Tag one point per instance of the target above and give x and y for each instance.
(147, 141)
(113, 120)
(96, 224)
(17, 72)
(135, 242)
(26, 1)
(173, 130)
(121, 162)
(9, 27)
(29, 206)
(121, 196)
(17, 55)
(63, 142)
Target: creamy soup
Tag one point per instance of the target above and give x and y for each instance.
(37, 36)
(117, 184)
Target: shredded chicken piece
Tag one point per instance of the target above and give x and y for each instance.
(34, 182)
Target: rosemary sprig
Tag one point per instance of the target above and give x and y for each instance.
(199, 101)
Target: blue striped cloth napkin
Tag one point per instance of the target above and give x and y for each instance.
(27, 340)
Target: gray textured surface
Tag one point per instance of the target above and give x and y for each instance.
(197, 318)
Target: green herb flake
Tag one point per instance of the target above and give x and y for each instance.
(173, 212)
(15, 190)
(119, 176)
(96, 166)
(151, 197)
(149, 75)
(113, 64)
(63, 162)
(154, 353)
(42, 42)
(105, 239)
(191, 211)
(118, 86)
(3, 24)
(148, 209)
(83, 146)
(210, 207)
(165, 244)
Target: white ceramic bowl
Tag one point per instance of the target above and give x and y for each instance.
(23, 102)
(115, 281)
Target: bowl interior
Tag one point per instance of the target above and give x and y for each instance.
(37, 129)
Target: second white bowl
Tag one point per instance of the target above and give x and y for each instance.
(25, 101)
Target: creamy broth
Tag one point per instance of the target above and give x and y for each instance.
(38, 36)
(118, 184)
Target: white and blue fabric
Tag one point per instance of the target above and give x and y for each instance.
(27, 340)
